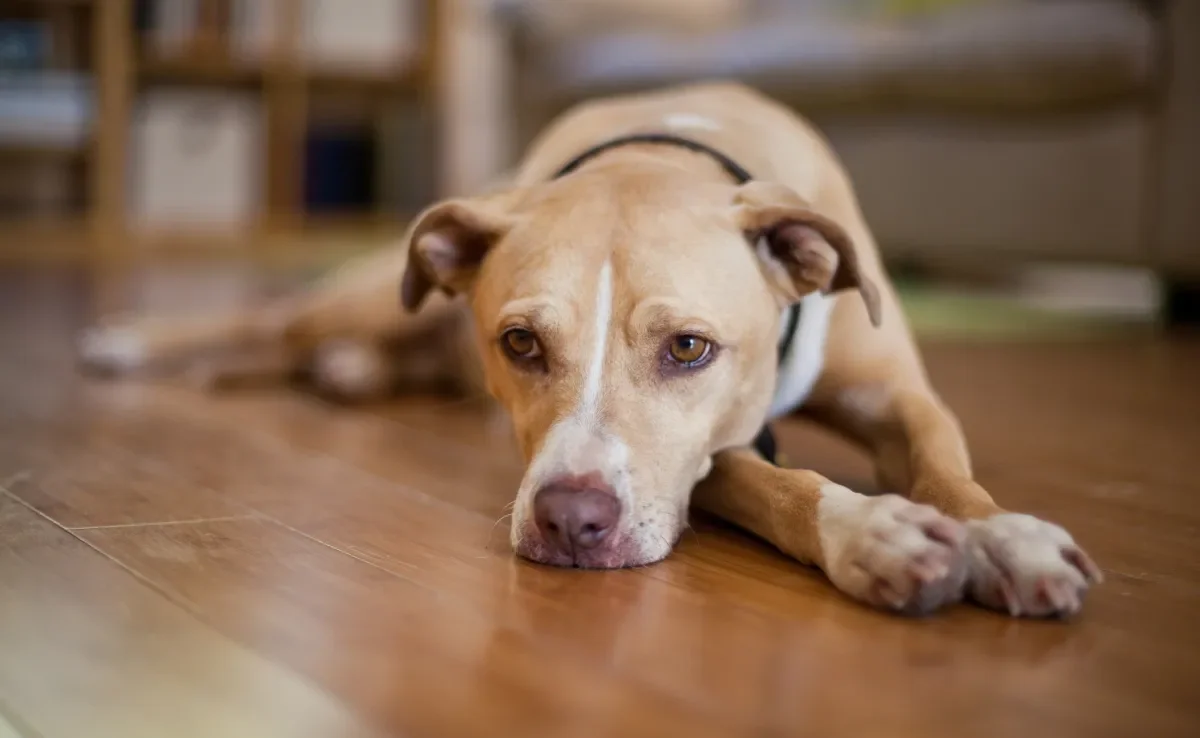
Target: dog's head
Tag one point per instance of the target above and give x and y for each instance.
(628, 320)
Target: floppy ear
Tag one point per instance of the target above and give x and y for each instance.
(447, 243)
(802, 251)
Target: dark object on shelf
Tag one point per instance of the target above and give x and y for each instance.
(144, 17)
(339, 174)
(1181, 303)
(24, 46)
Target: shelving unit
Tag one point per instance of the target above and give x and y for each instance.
(123, 67)
(40, 167)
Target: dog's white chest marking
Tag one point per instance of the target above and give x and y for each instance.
(801, 368)
(691, 120)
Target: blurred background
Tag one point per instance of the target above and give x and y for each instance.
(1025, 164)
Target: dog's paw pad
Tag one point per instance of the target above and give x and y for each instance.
(113, 349)
(898, 555)
(1027, 567)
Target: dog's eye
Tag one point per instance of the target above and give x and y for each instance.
(521, 344)
(688, 350)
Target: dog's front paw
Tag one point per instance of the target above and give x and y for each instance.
(1025, 566)
(892, 553)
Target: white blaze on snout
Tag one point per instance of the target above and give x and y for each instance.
(579, 443)
(594, 380)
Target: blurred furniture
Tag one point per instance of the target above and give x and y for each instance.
(45, 103)
(975, 131)
(203, 109)
(195, 160)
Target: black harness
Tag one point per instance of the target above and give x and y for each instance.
(764, 444)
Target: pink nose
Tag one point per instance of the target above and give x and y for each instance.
(572, 517)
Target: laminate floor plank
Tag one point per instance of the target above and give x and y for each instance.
(56, 460)
(89, 650)
(405, 656)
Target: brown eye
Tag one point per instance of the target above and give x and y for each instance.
(689, 350)
(521, 344)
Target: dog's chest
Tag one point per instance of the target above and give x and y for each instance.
(801, 366)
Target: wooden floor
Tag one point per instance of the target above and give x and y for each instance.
(173, 564)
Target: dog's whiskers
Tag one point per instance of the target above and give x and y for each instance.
(492, 532)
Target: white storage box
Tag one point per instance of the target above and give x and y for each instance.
(360, 35)
(48, 109)
(197, 160)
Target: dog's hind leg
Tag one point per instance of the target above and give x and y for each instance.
(358, 302)
(345, 369)
(250, 367)
(354, 370)
(127, 345)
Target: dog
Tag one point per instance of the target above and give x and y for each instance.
(663, 274)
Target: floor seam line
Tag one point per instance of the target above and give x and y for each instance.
(161, 523)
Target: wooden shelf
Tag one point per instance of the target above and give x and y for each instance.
(23, 149)
(321, 243)
(199, 69)
(289, 87)
(43, 4)
(407, 77)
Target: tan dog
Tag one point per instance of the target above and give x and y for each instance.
(628, 317)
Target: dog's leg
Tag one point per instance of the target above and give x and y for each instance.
(1018, 563)
(345, 369)
(354, 370)
(126, 345)
(359, 303)
(255, 366)
(885, 551)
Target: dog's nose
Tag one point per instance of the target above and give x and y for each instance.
(572, 517)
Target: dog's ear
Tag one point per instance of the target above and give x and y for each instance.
(801, 250)
(447, 242)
